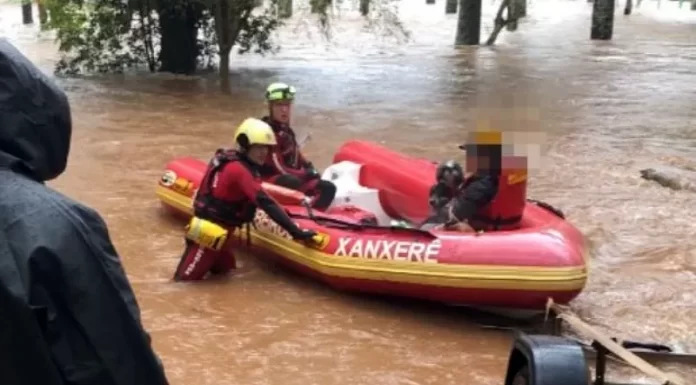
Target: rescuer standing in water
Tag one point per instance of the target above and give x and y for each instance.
(490, 196)
(227, 199)
(286, 166)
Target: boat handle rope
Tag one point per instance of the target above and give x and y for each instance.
(548, 207)
(337, 223)
(341, 224)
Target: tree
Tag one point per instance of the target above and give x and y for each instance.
(162, 35)
(235, 24)
(602, 20)
(178, 36)
(468, 23)
(179, 23)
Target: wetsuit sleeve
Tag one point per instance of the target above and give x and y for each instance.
(275, 160)
(439, 196)
(477, 194)
(280, 216)
(303, 161)
(253, 191)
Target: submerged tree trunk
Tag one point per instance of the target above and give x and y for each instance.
(602, 20)
(469, 23)
(450, 6)
(43, 16)
(512, 12)
(629, 7)
(284, 9)
(521, 8)
(320, 6)
(27, 16)
(224, 69)
(693, 5)
(499, 22)
(230, 15)
(429, 1)
(364, 7)
(179, 30)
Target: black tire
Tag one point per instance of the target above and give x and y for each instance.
(521, 377)
(546, 360)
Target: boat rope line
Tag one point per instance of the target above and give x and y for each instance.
(548, 207)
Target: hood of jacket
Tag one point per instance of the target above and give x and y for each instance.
(35, 121)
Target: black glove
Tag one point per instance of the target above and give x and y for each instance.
(438, 196)
(311, 173)
(304, 235)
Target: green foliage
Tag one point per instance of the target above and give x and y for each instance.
(111, 36)
(255, 34)
(93, 36)
(208, 44)
(116, 35)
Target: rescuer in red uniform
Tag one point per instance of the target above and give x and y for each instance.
(286, 166)
(491, 196)
(227, 199)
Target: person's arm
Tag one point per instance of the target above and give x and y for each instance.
(439, 196)
(477, 194)
(254, 192)
(304, 163)
(275, 161)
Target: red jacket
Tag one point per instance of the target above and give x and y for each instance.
(286, 157)
(488, 202)
(505, 211)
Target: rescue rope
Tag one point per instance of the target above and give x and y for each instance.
(548, 207)
(345, 225)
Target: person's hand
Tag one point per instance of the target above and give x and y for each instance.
(461, 227)
(438, 202)
(304, 235)
(311, 173)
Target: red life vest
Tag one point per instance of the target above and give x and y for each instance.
(505, 211)
(222, 211)
(286, 144)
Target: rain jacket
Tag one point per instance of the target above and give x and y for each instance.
(68, 315)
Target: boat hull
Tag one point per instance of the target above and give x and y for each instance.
(519, 270)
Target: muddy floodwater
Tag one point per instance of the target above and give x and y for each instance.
(606, 110)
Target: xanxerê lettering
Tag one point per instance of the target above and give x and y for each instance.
(391, 250)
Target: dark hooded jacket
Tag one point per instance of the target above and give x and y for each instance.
(67, 312)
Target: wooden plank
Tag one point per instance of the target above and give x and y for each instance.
(664, 357)
(564, 313)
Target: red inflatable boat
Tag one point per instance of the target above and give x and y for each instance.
(361, 252)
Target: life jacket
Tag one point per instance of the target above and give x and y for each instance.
(222, 211)
(286, 143)
(505, 211)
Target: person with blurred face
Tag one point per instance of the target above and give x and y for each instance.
(486, 197)
(286, 166)
(228, 197)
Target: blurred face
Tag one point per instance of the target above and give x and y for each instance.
(281, 111)
(257, 153)
(477, 163)
(471, 164)
(450, 180)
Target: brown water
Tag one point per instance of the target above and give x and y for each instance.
(607, 109)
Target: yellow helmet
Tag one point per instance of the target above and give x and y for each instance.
(254, 131)
(483, 138)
